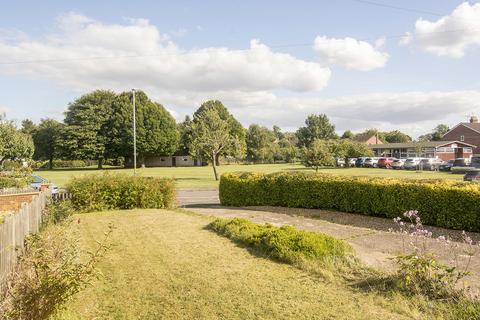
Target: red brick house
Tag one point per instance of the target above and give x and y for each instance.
(468, 132)
(372, 139)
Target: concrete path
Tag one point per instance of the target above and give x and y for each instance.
(369, 236)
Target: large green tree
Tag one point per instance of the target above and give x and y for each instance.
(46, 140)
(14, 144)
(235, 129)
(261, 144)
(86, 134)
(317, 127)
(185, 133)
(156, 128)
(317, 154)
(396, 136)
(437, 133)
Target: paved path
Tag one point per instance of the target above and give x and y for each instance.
(369, 236)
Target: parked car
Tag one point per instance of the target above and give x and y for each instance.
(398, 163)
(38, 182)
(430, 164)
(360, 162)
(475, 162)
(473, 176)
(385, 162)
(411, 163)
(351, 162)
(446, 165)
(371, 162)
(340, 162)
(461, 165)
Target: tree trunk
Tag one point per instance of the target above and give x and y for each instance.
(217, 159)
(214, 160)
(100, 163)
(50, 163)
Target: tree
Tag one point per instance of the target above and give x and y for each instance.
(317, 155)
(260, 144)
(28, 126)
(396, 137)
(235, 129)
(278, 133)
(46, 139)
(185, 134)
(212, 134)
(354, 149)
(437, 133)
(317, 127)
(156, 128)
(14, 144)
(348, 135)
(85, 135)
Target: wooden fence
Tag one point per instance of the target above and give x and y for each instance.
(14, 227)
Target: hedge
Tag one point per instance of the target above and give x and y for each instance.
(285, 244)
(440, 203)
(108, 191)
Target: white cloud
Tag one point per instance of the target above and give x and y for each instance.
(450, 35)
(153, 61)
(351, 53)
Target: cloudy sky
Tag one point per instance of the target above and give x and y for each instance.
(388, 64)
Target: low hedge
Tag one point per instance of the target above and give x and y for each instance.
(108, 191)
(440, 203)
(285, 244)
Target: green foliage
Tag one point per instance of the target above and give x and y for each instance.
(348, 135)
(396, 136)
(18, 178)
(317, 155)
(46, 140)
(49, 272)
(437, 133)
(365, 195)
(156, 128)
(260, 144)
(62, 164)
(285, 244)
(14, 144)
(317, 127)
(108, 191)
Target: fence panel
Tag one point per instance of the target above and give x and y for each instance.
(14, 227)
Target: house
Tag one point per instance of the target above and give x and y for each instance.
(368, 139)
(468, 132)
(165, 161)
(444, 150)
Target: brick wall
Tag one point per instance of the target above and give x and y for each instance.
(12, 202)
(471, 137)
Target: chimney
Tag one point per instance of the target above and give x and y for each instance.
(473, 119)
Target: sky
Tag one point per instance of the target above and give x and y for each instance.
(386, 64)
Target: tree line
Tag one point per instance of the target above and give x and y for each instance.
(98, 126)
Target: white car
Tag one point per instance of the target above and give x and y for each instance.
(38, 181)
(371, 162)
(398, 164)
(411, 163)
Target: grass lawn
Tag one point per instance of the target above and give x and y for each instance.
(202, 177)
(165, 265)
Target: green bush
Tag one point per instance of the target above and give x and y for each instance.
(15, 178)
(108, 191)
(441, 203)
(285, 244)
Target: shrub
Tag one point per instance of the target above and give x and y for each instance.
(441, 203)
(49, 272)
(286, 243)
(15, 178)
(108, 191)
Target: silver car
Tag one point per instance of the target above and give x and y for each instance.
(398, 164)
(411, 163)
(371, 162)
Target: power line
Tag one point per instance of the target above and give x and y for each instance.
(379, 4)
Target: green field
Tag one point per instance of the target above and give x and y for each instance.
(165, 265)
(202, 177)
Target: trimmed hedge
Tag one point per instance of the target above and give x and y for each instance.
(285, 244)
(108, 191)
(440, 203)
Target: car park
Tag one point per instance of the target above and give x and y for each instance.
(398, 163)
(385, 162)
(360, 162)
(411, 163)
(371, 162)
(430, 164)
(446, 165)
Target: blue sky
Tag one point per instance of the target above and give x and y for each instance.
(186, 52)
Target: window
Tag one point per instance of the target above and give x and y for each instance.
(185, 159)
(462, 138)
(467, 150)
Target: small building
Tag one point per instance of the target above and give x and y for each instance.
(444, 150)
(468, 132)
(368, 139)
(165, 161)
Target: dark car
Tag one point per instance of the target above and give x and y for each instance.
(461, 165)
(360, 162)
(446, 165)
(430, 164)
(475, 162)
(385, 162)
(473, 176)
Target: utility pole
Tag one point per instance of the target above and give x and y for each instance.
(134, 136)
